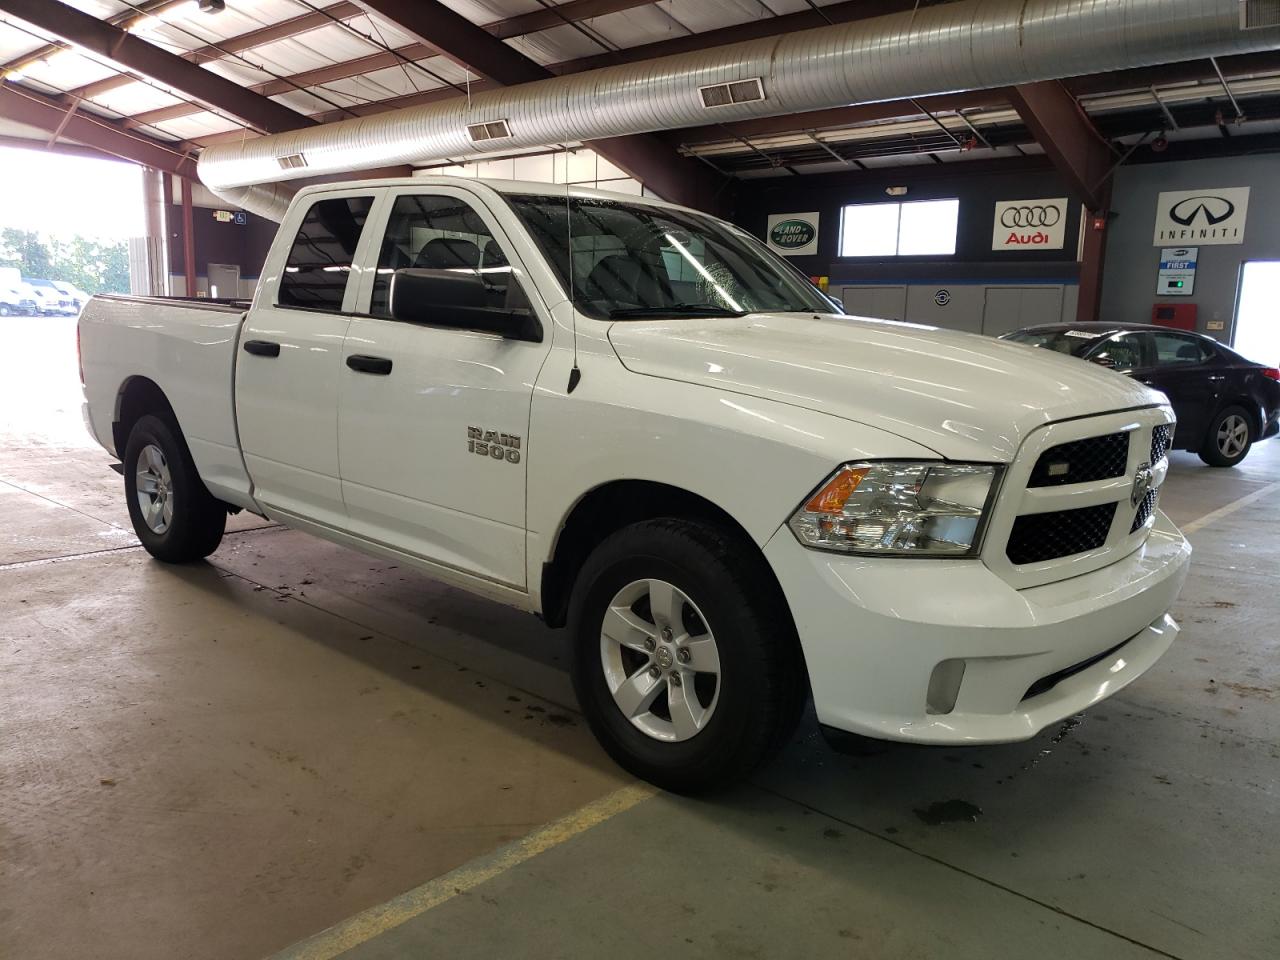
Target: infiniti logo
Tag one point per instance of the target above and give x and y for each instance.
(1030, 216)
(1213, 210)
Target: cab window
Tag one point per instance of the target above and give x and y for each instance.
(319, 264)
(438, 233)
(1172, 349)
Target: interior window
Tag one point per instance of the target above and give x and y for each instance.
(319, 264)
(438, 233)
(1173, 348)
(1124, 352)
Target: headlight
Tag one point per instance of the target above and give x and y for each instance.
(899, 509)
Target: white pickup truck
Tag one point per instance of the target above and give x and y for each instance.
(633, 419)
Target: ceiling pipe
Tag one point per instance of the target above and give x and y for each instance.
(951, 47)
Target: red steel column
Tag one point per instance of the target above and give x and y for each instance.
(188, 237)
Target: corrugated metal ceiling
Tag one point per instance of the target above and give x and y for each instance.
(182, 28)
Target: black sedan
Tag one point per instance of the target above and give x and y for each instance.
(1224, 403)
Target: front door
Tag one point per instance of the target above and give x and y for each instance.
(289, 363)
(434, 420)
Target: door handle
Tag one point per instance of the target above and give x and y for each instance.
(366, 364)
(262, 348)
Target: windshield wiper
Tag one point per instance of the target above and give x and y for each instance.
(676, 310)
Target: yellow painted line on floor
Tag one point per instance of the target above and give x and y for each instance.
(377, 920)
(1215, 515)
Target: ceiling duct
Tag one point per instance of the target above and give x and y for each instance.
(966, 45)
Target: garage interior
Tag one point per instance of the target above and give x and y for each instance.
(293, 750)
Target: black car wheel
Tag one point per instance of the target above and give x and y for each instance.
(686, 663)
(173, 513)
(1228, 439)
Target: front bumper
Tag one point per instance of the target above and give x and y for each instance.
(876, 631)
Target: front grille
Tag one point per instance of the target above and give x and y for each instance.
(1082, 461)
(1161, 437)
(1037, 537)
(1144, 510)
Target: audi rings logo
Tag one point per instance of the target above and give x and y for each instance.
(1030, 216)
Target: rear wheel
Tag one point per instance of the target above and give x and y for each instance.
(1228, 439)
(685, 658)
(173, 514)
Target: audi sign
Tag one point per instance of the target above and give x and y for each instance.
(1030, 224)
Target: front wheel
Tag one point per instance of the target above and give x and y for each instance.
(1228, 439)
(173, 513)
(686, 663)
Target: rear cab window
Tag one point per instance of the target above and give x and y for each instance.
(320, 259)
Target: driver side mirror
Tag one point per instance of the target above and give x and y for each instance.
(461, 298)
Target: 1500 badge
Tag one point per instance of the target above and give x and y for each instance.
(491, 443)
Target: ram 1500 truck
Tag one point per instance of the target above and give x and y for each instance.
(633, 419)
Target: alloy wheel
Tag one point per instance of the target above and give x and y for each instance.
(1233, 435)
(154, 487)
(660, 660)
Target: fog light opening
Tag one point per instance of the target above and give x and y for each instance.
(944, 687)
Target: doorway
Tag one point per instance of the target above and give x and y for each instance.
(1257, 329)
(224, 281)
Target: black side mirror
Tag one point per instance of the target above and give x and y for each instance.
(462, 299)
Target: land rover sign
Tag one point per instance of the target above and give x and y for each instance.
(793, 234)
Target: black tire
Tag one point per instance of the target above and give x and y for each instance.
(198, 519)
(1217, 453)
(762, 684)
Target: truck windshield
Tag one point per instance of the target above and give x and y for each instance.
(633, 261)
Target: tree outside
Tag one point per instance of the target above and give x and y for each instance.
(92, 265)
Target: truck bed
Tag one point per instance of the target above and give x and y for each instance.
(187, 348)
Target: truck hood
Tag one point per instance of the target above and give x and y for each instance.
(964, 396)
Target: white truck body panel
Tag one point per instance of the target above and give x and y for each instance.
(750, 414)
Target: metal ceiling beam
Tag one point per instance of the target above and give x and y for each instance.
(517, 26)
(1068, 137)
(646, 157)
(138, 12)
(751, 30)
(118, 46)
(1188, 71)
(469, 46)
(66, 149)
(26, 106)
(841, 116)
(283, 30)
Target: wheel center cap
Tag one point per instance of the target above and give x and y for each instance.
(664, 657)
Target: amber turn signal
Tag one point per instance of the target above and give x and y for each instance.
(836, 491)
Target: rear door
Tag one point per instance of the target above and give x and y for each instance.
(433, 422)
(289, 362)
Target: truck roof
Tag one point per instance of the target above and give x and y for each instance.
(499, 186)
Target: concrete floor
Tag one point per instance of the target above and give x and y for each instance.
(222, 760)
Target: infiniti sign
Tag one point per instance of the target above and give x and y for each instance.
(1202, 217)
